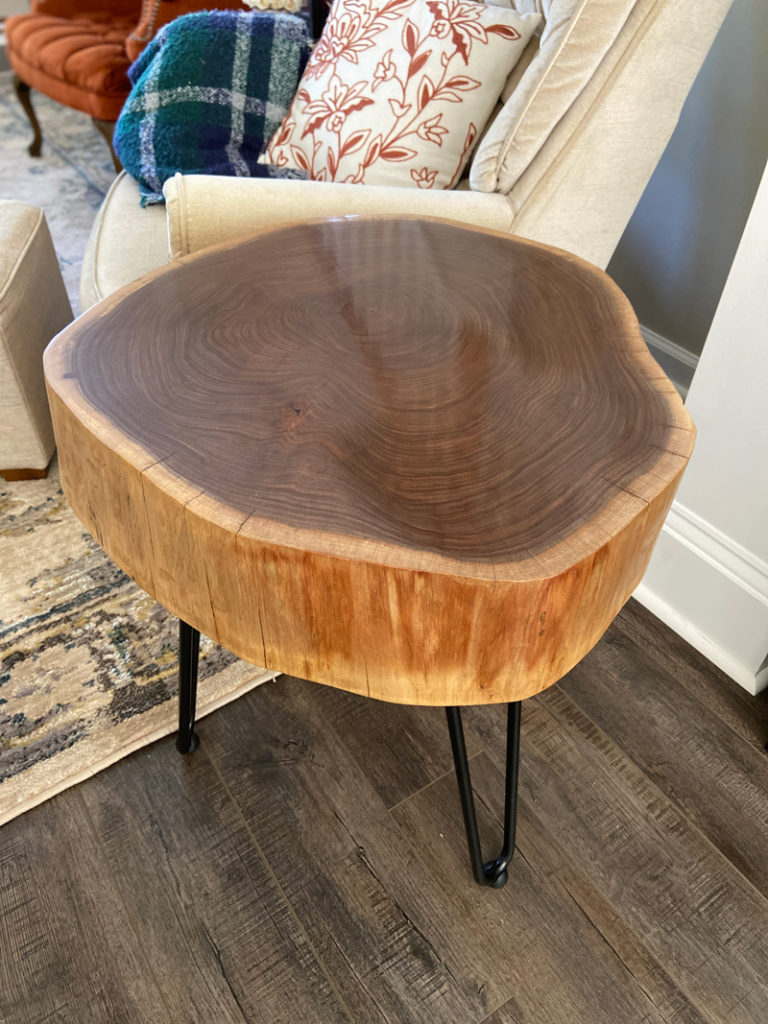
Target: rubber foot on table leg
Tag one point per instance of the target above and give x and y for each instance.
(496, 879)
(194, 742)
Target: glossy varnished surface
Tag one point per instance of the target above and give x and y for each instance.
(413, 460)
(407, 382)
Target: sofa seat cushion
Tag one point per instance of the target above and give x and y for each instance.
(80, 62)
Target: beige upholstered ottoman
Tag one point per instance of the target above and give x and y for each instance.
(33, 308)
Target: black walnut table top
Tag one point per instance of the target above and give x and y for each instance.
(404, 395)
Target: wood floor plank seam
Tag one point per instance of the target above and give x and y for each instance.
(526, 810)
(419, 931)
(731, 873)
(651, 782)
(85, 817)
(393, 928)
(636, 913)
(627, 967)
(654, 966)
(602, 756)
(679, 807)
(661, 648)
(257, 845)
(519, 855)
(649, 654)
(400, 908)
(456, 826)
(129, 917)
(180, 924)
(362, 979)
(223, 971)
(211, 879)
(423, 789)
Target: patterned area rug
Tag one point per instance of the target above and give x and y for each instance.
(88, 662)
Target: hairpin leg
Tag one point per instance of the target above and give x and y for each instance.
(189, 648)
(493, 873)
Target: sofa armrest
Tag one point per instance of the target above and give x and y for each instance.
(156, 13)
(125, 243)
(204, 210)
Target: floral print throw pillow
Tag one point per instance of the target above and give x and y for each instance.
(396, 92)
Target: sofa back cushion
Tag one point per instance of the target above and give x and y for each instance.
(574, 40)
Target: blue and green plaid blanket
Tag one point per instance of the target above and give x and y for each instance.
(208, 93)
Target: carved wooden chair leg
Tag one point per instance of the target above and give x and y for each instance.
(23, 91)
(189, 648)
(494, 872)
(107, 130)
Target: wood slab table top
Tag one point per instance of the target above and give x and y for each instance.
(412, 459)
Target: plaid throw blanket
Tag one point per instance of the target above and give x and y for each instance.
(208, 93)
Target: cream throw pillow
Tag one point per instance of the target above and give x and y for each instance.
(397, 91)
(576, 37)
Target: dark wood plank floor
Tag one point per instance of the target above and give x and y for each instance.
(308, 865)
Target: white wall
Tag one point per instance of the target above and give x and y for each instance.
(708, 577)
(687, 253)
(674, 257)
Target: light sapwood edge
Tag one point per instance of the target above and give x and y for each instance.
(455, 640)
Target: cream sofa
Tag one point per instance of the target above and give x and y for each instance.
(592, 105)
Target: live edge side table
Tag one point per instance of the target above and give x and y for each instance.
(407, 458)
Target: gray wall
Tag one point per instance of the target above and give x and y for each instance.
(9, 7)
(677, 250)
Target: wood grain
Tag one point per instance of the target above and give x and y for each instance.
(210, 891)
(142, 897)
(406, 458)
(680, 665)
(60, 913)
(340, 856)
(608, 826)
(717, 777)
(169, 888)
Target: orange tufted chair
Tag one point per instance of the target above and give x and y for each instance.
(78, 52)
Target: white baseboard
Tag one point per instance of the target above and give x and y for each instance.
(722, 552)
(713, 593)
(753, 682)
(677, 362)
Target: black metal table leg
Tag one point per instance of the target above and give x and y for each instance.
(189, 648)
(494, 872)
